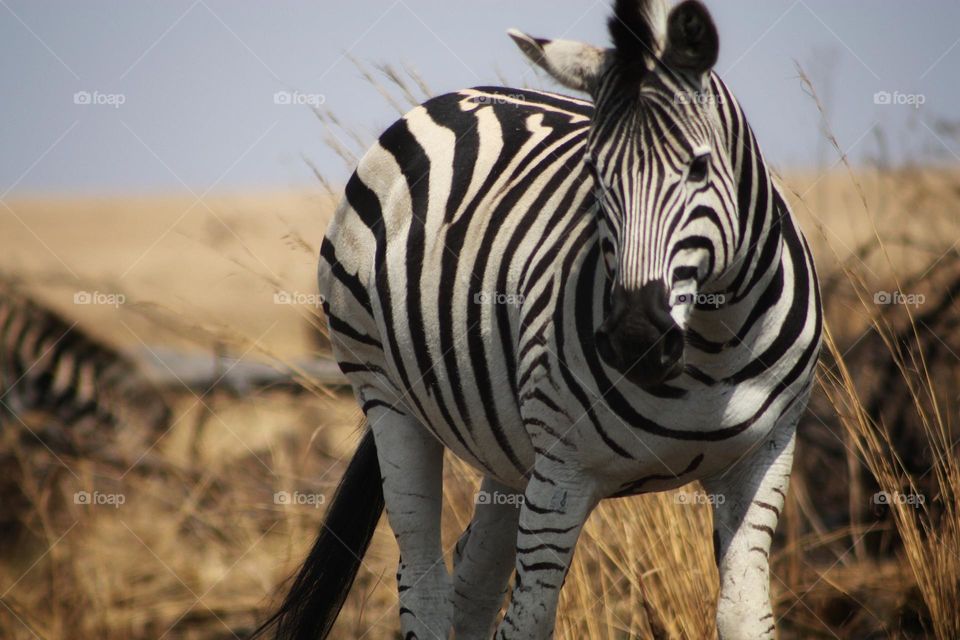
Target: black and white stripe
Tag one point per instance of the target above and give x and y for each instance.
(582, 299)
(78, 388)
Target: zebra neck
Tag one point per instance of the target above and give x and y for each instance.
(750, 279)
(761, 214)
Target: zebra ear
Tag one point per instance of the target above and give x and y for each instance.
(692, 43)
(575, 65)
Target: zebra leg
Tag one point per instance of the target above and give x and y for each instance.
(556, 504)
(411, 465)
(484, 560)
(753, 494)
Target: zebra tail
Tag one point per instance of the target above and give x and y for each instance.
(323, 582)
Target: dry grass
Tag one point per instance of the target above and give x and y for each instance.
(199, 548)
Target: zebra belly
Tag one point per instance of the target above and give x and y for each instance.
(628, 458)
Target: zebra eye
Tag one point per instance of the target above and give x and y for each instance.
(698, 168)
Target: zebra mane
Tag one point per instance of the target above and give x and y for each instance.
(637, 29)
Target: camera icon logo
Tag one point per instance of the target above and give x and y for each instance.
(82, 497)
(82, 97)
(282, 497)
(882, 97)
(282, 97)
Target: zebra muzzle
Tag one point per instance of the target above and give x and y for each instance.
(639, 338)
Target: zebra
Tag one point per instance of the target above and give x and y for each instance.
(81, 390)
(583, 299)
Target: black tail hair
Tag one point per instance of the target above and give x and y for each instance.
(320, 588)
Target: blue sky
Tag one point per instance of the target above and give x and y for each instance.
(159, 96)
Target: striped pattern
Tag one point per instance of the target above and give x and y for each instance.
(447, 311)
(466, 273)
(82, 388)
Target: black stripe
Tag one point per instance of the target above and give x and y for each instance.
(350, 281)
(374, 403)
(635, 487)
(341, 327)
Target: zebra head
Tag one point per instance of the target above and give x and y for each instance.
(665, 187)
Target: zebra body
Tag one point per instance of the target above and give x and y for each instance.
(482, 343)
(583, 300)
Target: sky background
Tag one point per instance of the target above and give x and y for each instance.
(182, 93)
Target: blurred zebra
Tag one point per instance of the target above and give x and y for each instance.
(65, 387)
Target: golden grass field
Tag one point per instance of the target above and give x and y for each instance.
(199, 549)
